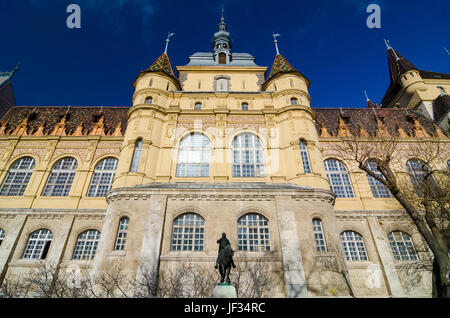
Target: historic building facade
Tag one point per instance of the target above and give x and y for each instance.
(219, 148)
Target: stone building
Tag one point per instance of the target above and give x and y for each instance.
(222, 147)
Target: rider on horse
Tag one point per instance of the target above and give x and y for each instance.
(223, 241)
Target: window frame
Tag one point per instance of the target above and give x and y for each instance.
(319, 235)
(408, 247)
(194, 155)
(95, 189)
(247, 156)
(86, 244)
(379, 190)
(359, 251)
(40, 250)
(339, 175)
(137, 152)
(188, 233)
(251, 228)
(2, 236)
(14, 172)
(122, 233)
(52, 184)
(304, 153)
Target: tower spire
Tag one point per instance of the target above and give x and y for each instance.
(167, 41)
(276, 42)
(389, 47)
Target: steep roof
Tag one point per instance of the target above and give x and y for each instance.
(370, 118)
(398, 65)
(49, 117)
(280, 65)
(163, 65)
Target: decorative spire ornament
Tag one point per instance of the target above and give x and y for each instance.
(167, 41)
(276, 42)
(389, 47)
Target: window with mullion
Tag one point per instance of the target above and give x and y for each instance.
(102, 178)
(305, 157)
(402, 246)
(188, 233)
(87, 245)
(248, 156)
(319, 236)
(17, 178)
(353, 245)
(253, 233)
(122, 234)
(38, 244)
(61, 178)
(194, 156)
(339, 179)
(378, 189)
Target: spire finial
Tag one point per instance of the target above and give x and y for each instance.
(167, 41)
(276, 41)
(367, 97)
(389, 47)
(223, 11)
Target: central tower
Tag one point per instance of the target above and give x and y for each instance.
(222, 43)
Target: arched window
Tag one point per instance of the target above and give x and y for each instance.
(419, 173)
(244, 106)
(87, 244)
(61, 178)
(291, 82)
(149, 100)
(222, 84)
(305, 157)
(16, 180)
(2, 236)
(378, 189)
(253, 233)
(38, 244)
(188, 233)
(248, 156)
(318, 235)
(103, 177)
(198, 106)
(136, 155)
(339, 179)
(193, 156)
(294, 101)
(122, 234)
(353, 245)
(402, 246)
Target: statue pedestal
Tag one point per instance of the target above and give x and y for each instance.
(224, 291)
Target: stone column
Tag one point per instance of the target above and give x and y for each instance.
(294, 274)
(383, 249)
(14, 230)
(153, 233)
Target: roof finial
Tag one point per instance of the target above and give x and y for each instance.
(276, 41)
(223, 11)
(167, 41)
(389, 47)
(367, 97)
(445, 49)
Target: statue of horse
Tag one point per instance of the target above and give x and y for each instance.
(225, 261)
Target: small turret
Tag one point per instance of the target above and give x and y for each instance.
(222, 43)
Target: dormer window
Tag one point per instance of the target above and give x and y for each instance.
(198, 106)
(222, 58)
(149, 100)
(294, 101)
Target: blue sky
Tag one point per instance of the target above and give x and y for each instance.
(328, 41)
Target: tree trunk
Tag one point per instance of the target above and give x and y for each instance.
(440, 269)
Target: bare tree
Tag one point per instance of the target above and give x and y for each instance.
(426, 199)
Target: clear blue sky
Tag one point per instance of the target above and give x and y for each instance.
(328, 41)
